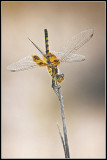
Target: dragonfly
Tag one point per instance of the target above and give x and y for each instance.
(52, 60)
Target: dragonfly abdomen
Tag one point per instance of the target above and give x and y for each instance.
(46, 41)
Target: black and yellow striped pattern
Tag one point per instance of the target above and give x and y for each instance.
(46, 41)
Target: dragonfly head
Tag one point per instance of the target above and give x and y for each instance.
(59, 77)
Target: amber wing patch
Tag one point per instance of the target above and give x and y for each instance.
(52, 58)
(39, 61)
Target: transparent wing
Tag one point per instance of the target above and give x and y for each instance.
(75, 58)
(73, 45)
(59, 55)
(70, 58)
(23, 64)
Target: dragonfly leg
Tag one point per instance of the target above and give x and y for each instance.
(55, 87)
(53, 83)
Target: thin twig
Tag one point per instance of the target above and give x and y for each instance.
(67, 154)
(57, 90)
(61, 137)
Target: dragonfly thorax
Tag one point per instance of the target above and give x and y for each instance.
(50, 58)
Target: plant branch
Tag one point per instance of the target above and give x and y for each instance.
(57, 90)
(67, 154)
(61, 137)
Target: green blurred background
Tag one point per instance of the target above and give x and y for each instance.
(30, 108)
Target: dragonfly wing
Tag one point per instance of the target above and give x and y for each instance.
(70, 58)
(74, 58)
(23, 64)
(73, 45)
(59, 55)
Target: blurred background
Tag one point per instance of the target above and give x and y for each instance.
(30, 108)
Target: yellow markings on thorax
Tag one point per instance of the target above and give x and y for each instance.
(39, 61)
(52, 70)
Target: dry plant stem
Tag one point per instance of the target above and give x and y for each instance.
(61, 138)
(66, 147)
